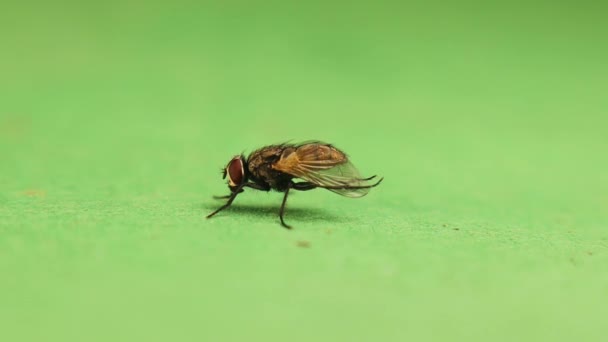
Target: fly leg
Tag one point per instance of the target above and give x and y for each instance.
(367, 179)
(248, 185)
(227, 196)
(231, 198)
(257, 186)
(282, 211)
(353, 187)
(303, 186)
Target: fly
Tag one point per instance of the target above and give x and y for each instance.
(315, 164)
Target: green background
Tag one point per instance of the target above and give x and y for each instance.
(488, 121)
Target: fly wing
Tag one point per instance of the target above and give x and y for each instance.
(344, 174)
(323, 165)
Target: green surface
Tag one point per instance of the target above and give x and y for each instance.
(488, 122)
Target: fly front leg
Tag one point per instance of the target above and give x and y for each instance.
(237, 191)
(227, 196)
(230, 199)
(256, 186)
(248, 185)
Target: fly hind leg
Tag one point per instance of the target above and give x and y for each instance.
(367, 179)
(352, 187)
(303, 186)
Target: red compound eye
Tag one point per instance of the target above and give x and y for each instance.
(236, 172)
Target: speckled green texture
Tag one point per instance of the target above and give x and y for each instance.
(489, 123)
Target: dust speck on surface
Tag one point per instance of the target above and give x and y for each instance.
(303, 244)
(34, 193)
(456, 228)
(14, 127)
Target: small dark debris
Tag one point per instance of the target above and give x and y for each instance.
(303, 244)
(456, 228)
(34, 193)
(590, 253)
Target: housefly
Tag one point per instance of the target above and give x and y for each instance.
(314, 164)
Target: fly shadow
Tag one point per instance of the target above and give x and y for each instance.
(300, 214)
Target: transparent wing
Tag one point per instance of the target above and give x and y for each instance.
(344, 174)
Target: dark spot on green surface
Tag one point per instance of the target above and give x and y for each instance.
(456, 228)
(13, 127)
(303, 244)
(34, 193)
